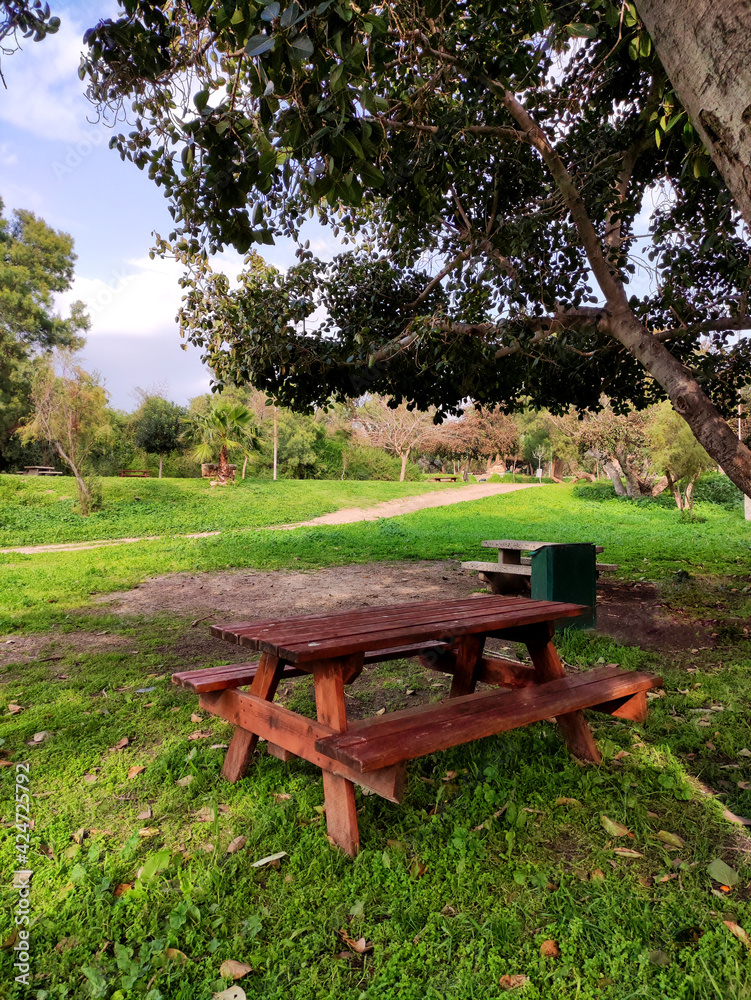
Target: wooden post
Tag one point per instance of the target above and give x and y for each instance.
(573, 727)
(243, 742)
(339, 794)
(469, 651)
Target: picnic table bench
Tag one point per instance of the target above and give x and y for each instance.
(443, 479)
(40, 470)
(135, 473)
(448, 636)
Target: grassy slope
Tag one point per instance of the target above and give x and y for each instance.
(451, 895)
(35, 511)
(645, 541)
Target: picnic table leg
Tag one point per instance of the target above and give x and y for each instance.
(243, 742)
(339, 793)
(469, 651)
(572, 726)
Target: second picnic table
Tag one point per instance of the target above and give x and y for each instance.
(448, 636)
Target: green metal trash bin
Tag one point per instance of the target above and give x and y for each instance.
(567, 573)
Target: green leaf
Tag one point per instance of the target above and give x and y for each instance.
(722, 873)
(613, 828)
(290, 15)
(271, 12)
(155, 864)
(259, 44)
(301, 48)
(201, 99)
(578, 29)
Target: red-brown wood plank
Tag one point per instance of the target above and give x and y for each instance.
(384, 616)
(363, 638)
(228, 676)
(415, 732)
(357, 613)
(303, 652)
(243, 742)
(298, 735)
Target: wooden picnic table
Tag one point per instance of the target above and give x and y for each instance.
(448, 636)
(443, 479)
(41, 470)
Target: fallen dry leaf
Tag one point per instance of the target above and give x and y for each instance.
(613, 828)
(90, 779)
(148, 831)
(10, 940)
(280, 796)
(360, 946)
(134, 771)
(146, 814)
(626, 852)
(124, 887)
(269, 859)
(200, 734)
(64, 944)
(206, 814)
(184, 782)
(237, 844)
(219, 746)
(39, 737)
(621, 754)
(512, 982)
(550, 949)
(124, 742)
(737, 931)
(598, 875)
(233, 993)
(731, 817)
(450, 775)
(15, 709)
(671, 839)
(195, 717)
(234, 970)
(564, 801)
(175, 955)
(381, 711)
(78, 836)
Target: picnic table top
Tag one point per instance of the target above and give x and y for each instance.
(310, 638)
(514, 544)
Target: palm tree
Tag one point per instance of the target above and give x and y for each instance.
(226, 425)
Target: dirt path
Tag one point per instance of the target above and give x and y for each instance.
(347, 515)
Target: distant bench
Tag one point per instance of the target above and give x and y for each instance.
(564, 572)
(134, 473)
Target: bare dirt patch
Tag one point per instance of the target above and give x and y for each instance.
(632, 613)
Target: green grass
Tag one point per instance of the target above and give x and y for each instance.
(41, 510)
(647, 542)
(455, 888)
(451, 895)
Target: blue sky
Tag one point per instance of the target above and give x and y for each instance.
(55, 161)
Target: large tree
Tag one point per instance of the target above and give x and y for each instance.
(516, 147)
(157, 426)
(36, 265)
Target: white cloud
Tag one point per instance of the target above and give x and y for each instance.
(47, 98)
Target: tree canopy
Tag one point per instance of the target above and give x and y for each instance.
(493, 166)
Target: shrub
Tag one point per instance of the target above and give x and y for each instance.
(596, 492)
(716, 488)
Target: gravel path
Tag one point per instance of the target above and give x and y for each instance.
(347, 515)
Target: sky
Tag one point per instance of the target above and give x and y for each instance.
(55, 161)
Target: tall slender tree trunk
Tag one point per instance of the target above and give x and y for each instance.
(224, 473)
(84, 496)
(275, 442)
(705, 48)
(404, 457)
(160, 466)
(709, 428)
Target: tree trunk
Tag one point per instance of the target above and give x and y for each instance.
(684, 392)
(84, 496)
(224, 473)
(676, 491)
(275, 443)
(160, 466)
(614, 473)
(245, 465)
(404, 457)
(705, 48)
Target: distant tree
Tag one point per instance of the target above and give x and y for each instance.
(396, 429)
(225, 426)
(70, 413)
(677, 454)
(157, 427)
(624, 439)
(36, 264)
